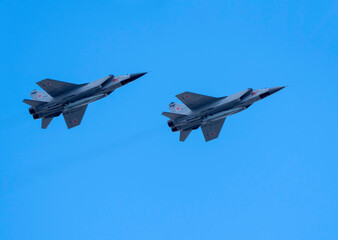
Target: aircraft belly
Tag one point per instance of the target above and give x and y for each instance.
(220, 108)
(222, 114)
(83, 92)
(189, 126)
(50, 108)
(50, 113)
(84, 101)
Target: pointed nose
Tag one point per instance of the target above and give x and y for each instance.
(275, 89)
(132, 77)
(136, 76)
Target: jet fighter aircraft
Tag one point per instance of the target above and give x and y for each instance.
(72, 99)
(209, 113)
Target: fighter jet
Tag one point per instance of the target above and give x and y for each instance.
(209, 113)
(72, 99)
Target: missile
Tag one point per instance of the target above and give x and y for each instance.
(223, 114)
(84, 101)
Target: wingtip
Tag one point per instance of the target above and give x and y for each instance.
(182, 93)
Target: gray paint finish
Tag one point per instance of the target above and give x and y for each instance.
(70, 99)
(209, 113)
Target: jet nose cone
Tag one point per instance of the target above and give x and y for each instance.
(275, 89)
(136, 76)
(132, 77)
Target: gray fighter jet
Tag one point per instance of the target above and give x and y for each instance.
(209, 113)
(72, 99)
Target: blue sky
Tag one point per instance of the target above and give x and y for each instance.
(122, 174)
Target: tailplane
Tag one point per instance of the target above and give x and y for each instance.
(173, 115)
(40, 96)
(33, 103)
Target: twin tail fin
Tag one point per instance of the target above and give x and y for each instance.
(40, 96)
(179, 108)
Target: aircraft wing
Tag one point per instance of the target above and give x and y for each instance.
(73, 117)
(55, 88)
(211, 130)
(194, 100)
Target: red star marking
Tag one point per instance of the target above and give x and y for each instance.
(39, 96)
(187, 96)
(178, 108)
(212, 134)
(115, 79)
(75, 121)
(253, 93)
(48, 83)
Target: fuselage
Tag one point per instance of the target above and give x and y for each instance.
(83, 95)
(219, 109)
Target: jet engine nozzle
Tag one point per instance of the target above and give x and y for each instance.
(174, 129)
(170, 123)
(36, 116)
(31, 110)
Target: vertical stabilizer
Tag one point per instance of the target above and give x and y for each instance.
(40, 96)
(184, 134)
(179, 108)
(45, 122)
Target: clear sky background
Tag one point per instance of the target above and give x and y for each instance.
(122, 174)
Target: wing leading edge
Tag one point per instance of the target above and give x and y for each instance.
(194, 100)
(55, 88)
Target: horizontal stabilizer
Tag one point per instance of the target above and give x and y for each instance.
(173, 115)
(33, 103)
